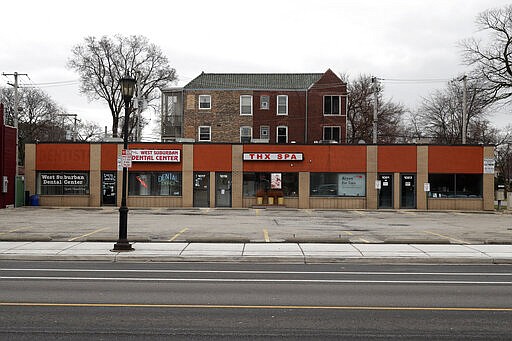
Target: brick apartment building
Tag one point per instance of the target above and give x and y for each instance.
(7, 161)
(299, 108)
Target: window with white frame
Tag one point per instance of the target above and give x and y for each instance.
(265, 132)
(282, 134)
(282, 105)
(205, 134)
(264, 102)
(245, 134)
(332, 105)
(205, 102)
(246, 105)
(332, 133)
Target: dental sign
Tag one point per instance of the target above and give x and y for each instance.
(155, 155)
(273, 157)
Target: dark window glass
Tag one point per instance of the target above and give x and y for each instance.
(154, 183)
(259, 183)
(455, 185)
(63, 183)
(338, 184)
(331, 105)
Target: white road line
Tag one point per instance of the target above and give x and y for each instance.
(248, 280)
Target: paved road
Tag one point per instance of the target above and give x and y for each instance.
(66, 300)
(256, 225)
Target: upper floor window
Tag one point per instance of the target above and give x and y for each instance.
(246, 105)
(265, 132)
(332, 105)
(282, 134)
(282, 105)
(245, 134)
(332, 134)
(264, 102)
(205, 102)
(205, 133)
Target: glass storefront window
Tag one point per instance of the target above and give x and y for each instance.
(455, 185)
(255, 184)
(62, 183)
(154, 183)
(337, 184)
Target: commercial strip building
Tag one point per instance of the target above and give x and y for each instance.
(315, 176)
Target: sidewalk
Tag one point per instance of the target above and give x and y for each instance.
(258, 252)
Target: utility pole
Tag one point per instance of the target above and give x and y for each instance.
(74, 125)
(464, 108)
(375, 94)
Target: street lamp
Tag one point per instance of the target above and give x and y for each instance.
(127, 90)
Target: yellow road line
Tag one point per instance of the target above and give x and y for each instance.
(348, 232)
(265, 235)
(178, 234)
(443, 236)
(227, 306)
(10, 231)
(87, 234)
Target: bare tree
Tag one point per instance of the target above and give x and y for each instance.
(38, 118)
(492, 60)
(440, 116)
(102, 62)
(360, 112)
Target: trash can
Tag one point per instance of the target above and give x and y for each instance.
(34, 200)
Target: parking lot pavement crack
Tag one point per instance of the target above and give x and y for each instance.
(417, 248)
(243, 249)
(474, 249)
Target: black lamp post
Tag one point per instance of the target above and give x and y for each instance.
(127, 90)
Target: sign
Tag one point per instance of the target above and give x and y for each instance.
(378, 184)
(426, 187)
(126, 158)
(351, 184)
(275, 181)
(489, 165)
(155, 155)
(273, 157)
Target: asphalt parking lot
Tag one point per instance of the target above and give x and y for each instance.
(256, 225)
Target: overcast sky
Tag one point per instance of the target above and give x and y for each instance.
(396, 40)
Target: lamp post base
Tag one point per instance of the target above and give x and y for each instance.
(122, 245)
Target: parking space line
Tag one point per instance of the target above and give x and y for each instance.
(178, 234)
(348, 232)
(265, 235)
(87, 234)
(363, 240)
(447, 237)
(10, 231)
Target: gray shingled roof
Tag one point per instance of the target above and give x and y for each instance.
(253, 81)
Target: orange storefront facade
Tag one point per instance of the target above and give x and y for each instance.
(247, 175)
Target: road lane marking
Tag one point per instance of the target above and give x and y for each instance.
(229, 306)
(249, 280)
(87, 234)
(265, 236)
(178, 234)
(447, 237)
(10, 231)
(267, 272)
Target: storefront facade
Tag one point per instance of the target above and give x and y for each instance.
(247, 175)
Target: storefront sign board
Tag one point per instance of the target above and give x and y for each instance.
(156, 155)
(273, 156)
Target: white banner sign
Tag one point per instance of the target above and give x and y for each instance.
(155, 155)
(273, 157)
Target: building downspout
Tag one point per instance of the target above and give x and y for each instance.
(346, 117)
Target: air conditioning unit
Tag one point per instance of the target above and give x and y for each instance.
(264, 105)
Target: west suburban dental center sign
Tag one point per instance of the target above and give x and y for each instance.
(155, 155)
(273, 157)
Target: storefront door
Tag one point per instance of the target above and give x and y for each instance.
(408, 191)
(109, 188)
(386, 191)
(223, 189)
(201, 189)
